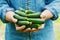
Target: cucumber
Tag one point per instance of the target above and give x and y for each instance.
(36, 20)
(33, 26)
(21, 9)
(29, 11)
(35, 15)
(20, 13)
(19, 17)
(23, 22)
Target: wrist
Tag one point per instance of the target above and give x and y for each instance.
(9, 15)
(50, 13)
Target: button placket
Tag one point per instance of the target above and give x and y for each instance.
(27, 4)
(21, 3)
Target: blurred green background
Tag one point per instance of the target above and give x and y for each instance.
(56, 29)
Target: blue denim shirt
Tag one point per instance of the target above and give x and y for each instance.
(36, 5)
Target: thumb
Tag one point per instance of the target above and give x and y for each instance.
(14, 20)
(42, 16)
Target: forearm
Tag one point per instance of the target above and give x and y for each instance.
(54, 7)
(4, 7)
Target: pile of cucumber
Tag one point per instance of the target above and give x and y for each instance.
(29, 18)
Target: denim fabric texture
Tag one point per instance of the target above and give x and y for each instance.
(36, 5)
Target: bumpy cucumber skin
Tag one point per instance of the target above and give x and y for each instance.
(33, 20)
(29, 12)
(35, 15)
(33, 26)
(26, 17)
(21, 9)
(36, 20)
(19, 17)
(20, 13)
(23, 22)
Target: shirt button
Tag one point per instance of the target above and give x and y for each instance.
(27, 4)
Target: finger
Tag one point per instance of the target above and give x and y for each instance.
(27, 30)
(34, 30)
(41, 27)
(43, 16)
(14, 20)
(20, 28)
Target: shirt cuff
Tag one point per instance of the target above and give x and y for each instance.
(54, 12)
(4, 14)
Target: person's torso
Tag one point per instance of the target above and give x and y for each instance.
(35, 5)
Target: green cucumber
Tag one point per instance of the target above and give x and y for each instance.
(20, 13)
(29, 11)
(35, 15)
(23, 22)
(19, 17)
(36, 20)
(21, 9)
(33, 26)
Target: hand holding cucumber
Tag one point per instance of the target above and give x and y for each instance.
(9, 16)
(39, 28)
(22, 28)
(46, 15)
(23, 20)
(28, 17)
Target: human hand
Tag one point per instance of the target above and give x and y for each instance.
(9, 17)
(24, 29)
(46, 14)
(37, 29)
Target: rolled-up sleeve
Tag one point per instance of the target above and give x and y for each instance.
(54, 7)
(4, 7)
